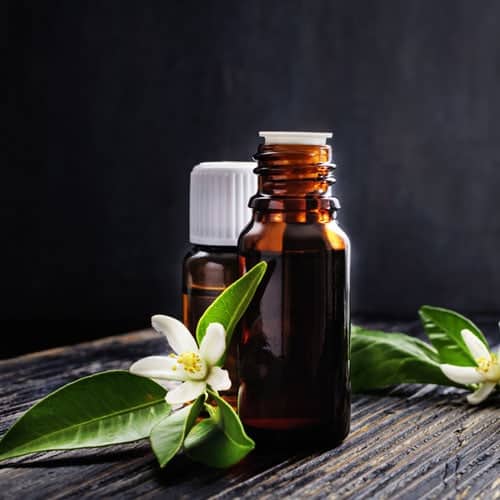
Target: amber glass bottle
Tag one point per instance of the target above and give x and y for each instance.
(294, 349)
(218, 210)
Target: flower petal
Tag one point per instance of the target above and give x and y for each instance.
(481, 394)
(185, 392)
(178, 336)
(213, 345)
(169, 385)
(475, 346)
(218, 379)
(157, 367)
(462, 374)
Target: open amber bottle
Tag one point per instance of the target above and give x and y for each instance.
(294, 349)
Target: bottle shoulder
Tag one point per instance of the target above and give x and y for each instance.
(279, 236)
(337, 236)
(210, 268)
(197, 255)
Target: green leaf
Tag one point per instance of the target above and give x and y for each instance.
(106, 408)
(443, 328)
(231, 423)
(211, 410)
(230, 305)
(202, 432)
(208, 444)
(219, 441)
(168, 435)
(380, 359)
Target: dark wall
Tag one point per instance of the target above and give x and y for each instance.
(111, 103)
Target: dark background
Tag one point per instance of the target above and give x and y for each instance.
(110, 104)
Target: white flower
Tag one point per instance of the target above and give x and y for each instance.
(193, 366)
(486, 373)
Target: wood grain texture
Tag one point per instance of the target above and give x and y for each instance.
(407, 442)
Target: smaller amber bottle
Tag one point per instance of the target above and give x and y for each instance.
(218, 211)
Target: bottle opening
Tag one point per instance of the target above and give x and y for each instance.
(305, 138)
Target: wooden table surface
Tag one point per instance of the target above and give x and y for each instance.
(407, 442)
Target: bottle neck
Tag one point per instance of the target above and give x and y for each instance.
(294, 216)
(294, 178)
(195, 247)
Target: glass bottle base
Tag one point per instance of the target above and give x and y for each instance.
(290, 434)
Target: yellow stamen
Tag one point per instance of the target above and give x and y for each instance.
(191, 362)
(483, 364)
(490, 368)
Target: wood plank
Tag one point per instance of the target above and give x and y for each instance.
(408, 442)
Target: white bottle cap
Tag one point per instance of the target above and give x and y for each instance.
(218, 201)
(305, 138)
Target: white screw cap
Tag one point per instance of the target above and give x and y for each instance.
(305, 138)
(218, 201)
